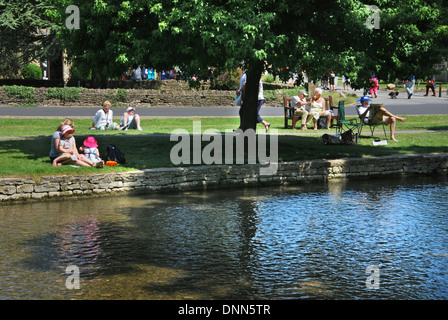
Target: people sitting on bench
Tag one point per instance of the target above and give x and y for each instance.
(318, 108)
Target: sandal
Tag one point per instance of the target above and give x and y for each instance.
(267, 127)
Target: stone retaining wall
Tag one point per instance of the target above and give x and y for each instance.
(137, 97)
(147, 93)
(218, 176)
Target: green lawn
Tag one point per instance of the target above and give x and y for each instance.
(25, 152)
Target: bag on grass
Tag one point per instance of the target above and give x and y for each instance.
(114, 154)
(347, 137)
(329, 139)
(322, 122)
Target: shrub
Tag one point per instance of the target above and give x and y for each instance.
(32, 72)
(269, 78)
(21, 92)
(230, 80)
(64, 94)
(120, 96)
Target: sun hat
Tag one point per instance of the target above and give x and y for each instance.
(303, 92)
(66, 129)
(90, 142)
(130, 108)
(363, 98)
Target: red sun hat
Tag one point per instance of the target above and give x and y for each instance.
(90, 142)
(66, 129)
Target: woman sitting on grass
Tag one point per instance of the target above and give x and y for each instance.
(68, 152)
(56, 137)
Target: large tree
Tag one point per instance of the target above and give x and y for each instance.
(26, 34)
(282, 35)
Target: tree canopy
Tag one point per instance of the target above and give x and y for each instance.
(281, 36)
(26, 34)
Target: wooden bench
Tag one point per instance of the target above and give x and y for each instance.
(289, 111)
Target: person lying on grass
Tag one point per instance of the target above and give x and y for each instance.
(68, 151)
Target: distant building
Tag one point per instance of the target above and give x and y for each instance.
(443, 76)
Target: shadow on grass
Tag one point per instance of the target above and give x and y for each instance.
(153, 151)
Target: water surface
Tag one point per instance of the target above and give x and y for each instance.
(303, 242)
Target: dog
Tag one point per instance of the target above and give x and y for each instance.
(394, 95)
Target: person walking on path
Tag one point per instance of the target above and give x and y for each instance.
(430, 84)
(374, 86)
(409, 84)
(241, 91)
(260, 103)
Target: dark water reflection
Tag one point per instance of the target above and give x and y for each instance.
(304, 242)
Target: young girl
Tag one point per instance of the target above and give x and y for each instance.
(67, 149)
(90, 149)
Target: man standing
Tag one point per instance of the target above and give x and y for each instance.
(240, 91)
(430, 83)
(301, 109)
(409, 85)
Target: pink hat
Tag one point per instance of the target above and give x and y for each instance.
(66, 129)
(90, 142)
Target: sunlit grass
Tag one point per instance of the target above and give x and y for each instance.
(25, 152)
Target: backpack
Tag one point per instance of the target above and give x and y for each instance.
(114, 154)
(329, 139)
(322, 122)
(347, 137)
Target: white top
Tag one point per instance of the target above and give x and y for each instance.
(130, 117)
(101, 119)
(260, 91)
(363, 109)
(91, 154)
(296, 99)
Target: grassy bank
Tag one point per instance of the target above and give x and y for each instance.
(25, 152)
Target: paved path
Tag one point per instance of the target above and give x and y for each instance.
(418, 105)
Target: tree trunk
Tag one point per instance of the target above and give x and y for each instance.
(250, 102)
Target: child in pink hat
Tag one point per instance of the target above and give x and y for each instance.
(67, 150)
(90, 149)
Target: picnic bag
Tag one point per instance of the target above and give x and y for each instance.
(329, 139)
(347, 137)
(322, 122)
(113, 153)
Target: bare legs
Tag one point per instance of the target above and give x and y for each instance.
(392, 120)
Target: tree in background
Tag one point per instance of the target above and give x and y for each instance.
(205, 38)
(26, 34)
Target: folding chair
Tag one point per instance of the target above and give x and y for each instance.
(374, 119)
(353, 124)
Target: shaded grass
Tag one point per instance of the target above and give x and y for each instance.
(45, 127)
(25, 153)
(29, 157)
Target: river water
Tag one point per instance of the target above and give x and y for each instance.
(375, 239)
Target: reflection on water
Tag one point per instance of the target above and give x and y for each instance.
(305, 242)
